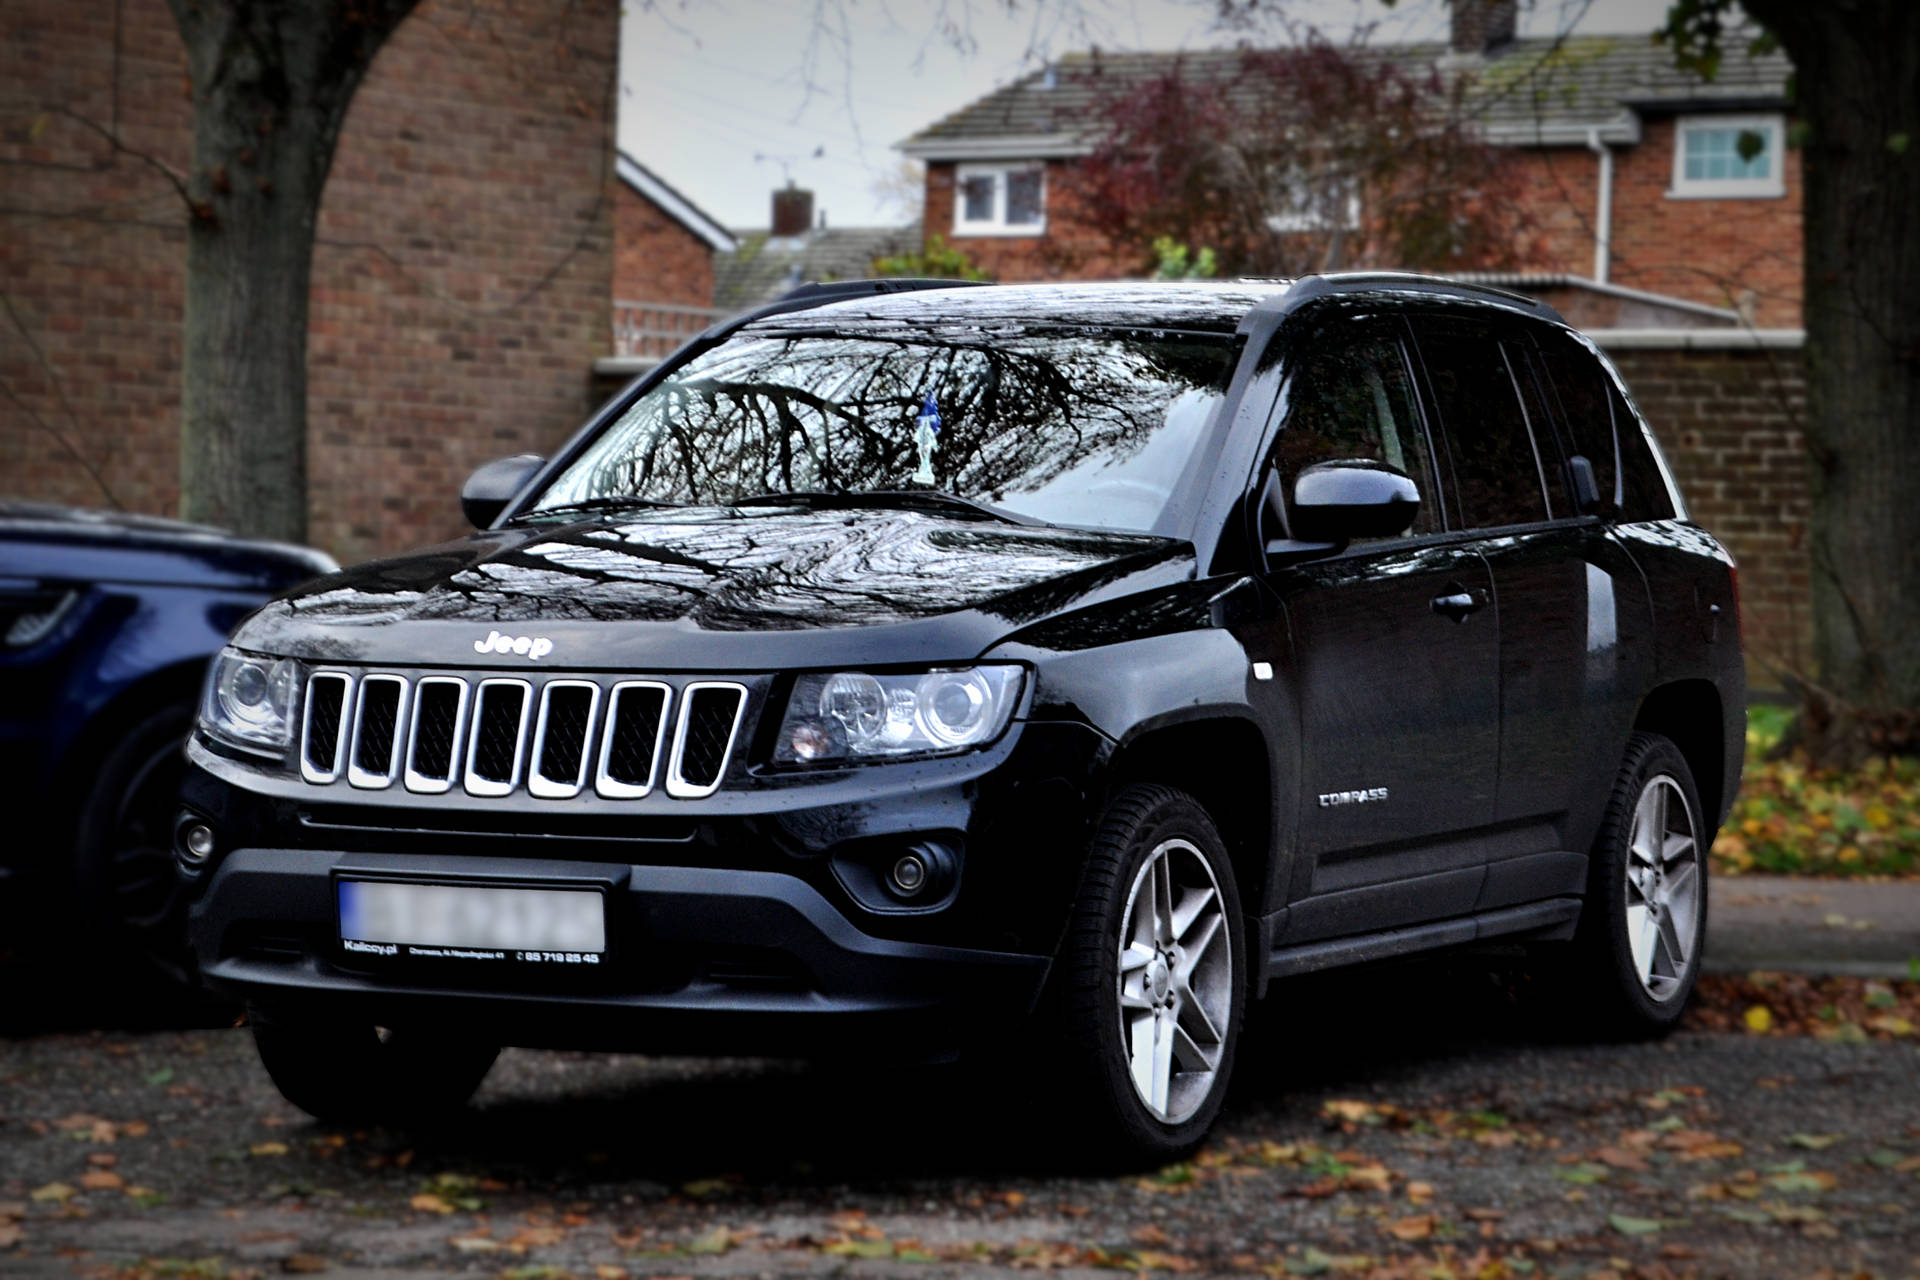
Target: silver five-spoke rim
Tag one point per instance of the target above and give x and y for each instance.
(1175, 980)
(1663, 888)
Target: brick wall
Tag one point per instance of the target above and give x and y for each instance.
(1070, 249)
(461, 283)
(1729, 423)
(655, 258)
(1725, 253)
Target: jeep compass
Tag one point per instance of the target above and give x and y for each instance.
(905, 661)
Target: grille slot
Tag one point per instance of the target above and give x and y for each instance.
(496, 742)
(433, 737)
(320, 730)
(378, 713)
(560, 741)
(709, 716)
(635, 735)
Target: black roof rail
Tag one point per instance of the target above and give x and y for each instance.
(1307, 288)
(817, 293)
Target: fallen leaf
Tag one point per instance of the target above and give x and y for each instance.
(703, 1188)
(1620, 1158)
(1759, 1019)
(303, 1264)
(1419, 1192)
(607, 1271)
(475, 1244)
(52, 1193)
(10, 1234)
(1891, 1024)
(1151, 1234)
(860, 1248)
(1630, 1226)
(719, 1240)
(103, 1159)
(1418, 1227)
(267, 1149)
(1151, 1260)
(427, 1202)
(102, 1180)
(1815, 1141)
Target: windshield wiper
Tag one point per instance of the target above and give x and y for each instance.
(607, 502)
(906, 499)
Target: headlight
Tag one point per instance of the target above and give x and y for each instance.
(852, 715)
(249, 701)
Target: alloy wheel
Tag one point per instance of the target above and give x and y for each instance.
(1662, 888)
(1176, 981)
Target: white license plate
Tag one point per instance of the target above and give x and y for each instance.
(469, 922)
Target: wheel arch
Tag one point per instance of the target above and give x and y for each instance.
(1691, 714)
(177, 682)
(1222, 761)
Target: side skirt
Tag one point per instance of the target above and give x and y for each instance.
(1549, 921)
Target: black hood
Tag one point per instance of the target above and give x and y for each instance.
(713, 589)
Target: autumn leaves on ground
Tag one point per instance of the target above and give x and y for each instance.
(1791, 819)
(1411, 1122)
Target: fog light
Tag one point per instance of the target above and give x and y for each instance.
(909, 875)
(197, 842)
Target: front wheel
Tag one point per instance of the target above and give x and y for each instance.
(1152, 977)
(1644, 925)
(357, 1072)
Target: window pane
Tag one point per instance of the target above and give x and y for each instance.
(1644, 490)
(1495, 470)
(1024, 197)
(976, 197)
(1713, 155)
(1581, 385)
(1083, 430)
(1354, 402)
(1545, 438)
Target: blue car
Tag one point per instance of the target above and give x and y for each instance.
(107, 622)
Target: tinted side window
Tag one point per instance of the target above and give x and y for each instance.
(1631, 487)
(1354, 400)
(1643, 493)
(1498, 477)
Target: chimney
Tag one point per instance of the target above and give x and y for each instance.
(792, 211)
(1482, 25)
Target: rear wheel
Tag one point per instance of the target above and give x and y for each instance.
(1643, 928)
(1151, 982)
(347, 1072)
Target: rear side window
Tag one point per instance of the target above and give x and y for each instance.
(1591, 405)
(1499, 477)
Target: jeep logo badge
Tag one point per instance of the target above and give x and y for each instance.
(535, 647)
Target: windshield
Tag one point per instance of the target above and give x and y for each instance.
(1087, 429)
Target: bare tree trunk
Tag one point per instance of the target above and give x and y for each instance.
(1857, 66)
(272, 81)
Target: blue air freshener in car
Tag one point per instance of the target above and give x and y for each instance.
(925, 428)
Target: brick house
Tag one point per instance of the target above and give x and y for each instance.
(1630, 170)
(663, 243)
(461, 282)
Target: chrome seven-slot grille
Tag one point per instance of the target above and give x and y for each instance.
(492, 736)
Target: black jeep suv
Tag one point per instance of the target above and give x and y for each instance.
(900, 661)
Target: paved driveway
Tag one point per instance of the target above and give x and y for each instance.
(1385, 1124)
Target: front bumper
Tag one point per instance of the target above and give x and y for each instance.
(699, 959)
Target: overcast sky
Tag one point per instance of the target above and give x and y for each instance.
(727, 99)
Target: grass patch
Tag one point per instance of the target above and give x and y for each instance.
(1790, 819)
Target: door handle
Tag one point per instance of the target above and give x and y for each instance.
(1459, 604)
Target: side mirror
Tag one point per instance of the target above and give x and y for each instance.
(1352, 498)
(1586, 488)
(494, 485)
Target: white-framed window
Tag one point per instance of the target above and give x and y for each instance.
(1714, 157)
(1000, 200)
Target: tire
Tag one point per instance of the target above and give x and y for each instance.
(344, 1073)
(1127, 1032)
(127, 901)
(1638, 946)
